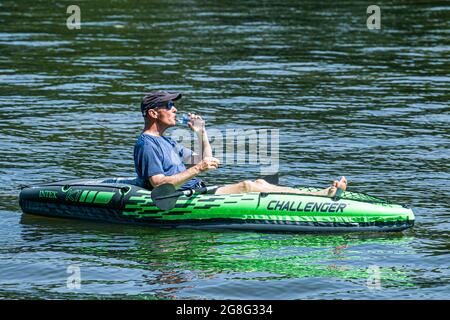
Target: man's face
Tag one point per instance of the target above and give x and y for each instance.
(167, 117)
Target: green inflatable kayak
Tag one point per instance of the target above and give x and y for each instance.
(101, 200)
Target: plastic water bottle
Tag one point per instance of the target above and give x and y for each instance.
(184, 120)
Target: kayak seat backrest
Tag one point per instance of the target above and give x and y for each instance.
(128, 180)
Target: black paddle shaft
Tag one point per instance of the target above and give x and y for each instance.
(165, 196)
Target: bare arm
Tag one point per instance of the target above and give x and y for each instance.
(177, 179)
(181, 178)
(206, 151)
(197, 124)
(206, 147)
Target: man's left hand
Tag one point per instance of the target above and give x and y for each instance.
(197, 124)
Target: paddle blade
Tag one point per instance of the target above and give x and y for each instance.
(165, 196)
(272, 179)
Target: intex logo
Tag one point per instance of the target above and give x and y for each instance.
(48, 194)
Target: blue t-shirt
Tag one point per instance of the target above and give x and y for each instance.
(160, 155)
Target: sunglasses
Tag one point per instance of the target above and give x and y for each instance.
(169, 105)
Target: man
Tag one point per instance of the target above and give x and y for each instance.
(159, 159)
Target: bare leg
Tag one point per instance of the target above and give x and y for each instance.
(257, 186)
(263, 186)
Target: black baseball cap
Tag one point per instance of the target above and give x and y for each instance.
(157, 98)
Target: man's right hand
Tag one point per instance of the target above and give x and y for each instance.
(208, 163)
(331, 191)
